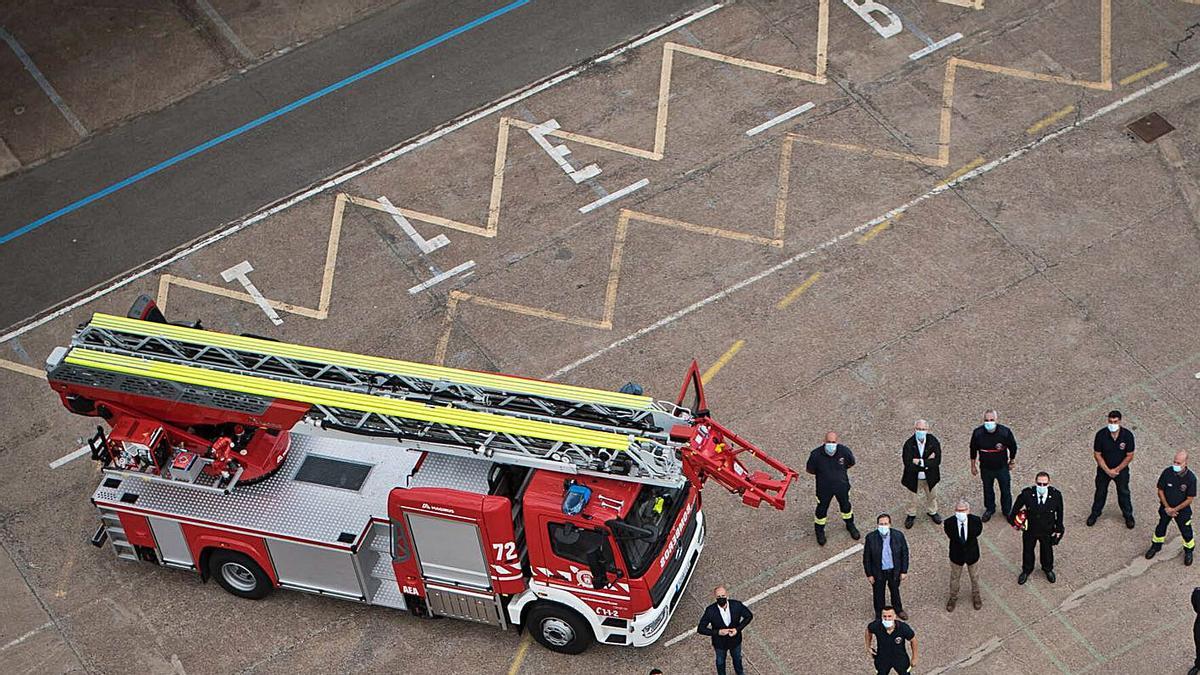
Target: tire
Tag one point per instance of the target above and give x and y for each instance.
(559, 629)
(239, 574)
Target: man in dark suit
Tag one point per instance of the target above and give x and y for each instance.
(724, 621)
(1038, 513)
(963, 531)
(885, 562)
(922, 455)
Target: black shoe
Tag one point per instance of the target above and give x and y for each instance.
(1187, 556)
(1051, 576)
(1023, 578)
(1195, 670)
(1092, 519)
(1153, 550)
(936, 518)
(908, 522)
(820, 536)
(987, 515)
(1129, 522)
(854, 533)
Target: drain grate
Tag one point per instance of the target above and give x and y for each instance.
(1150, 127)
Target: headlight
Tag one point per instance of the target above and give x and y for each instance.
(654, 626)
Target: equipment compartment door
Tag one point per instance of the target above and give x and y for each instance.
(449, 551)
(171, 545)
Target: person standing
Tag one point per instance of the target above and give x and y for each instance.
(1176, 490)
(829, 463)
(995, 448)
(963, 532)
(922, 456)
(1113, 449)
(1196, 630)
(890, 652)
(1041, 524)
(885, 562)
(724, 621)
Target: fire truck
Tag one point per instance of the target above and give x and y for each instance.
(570, 512)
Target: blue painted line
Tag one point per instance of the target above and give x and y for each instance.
(253, 124)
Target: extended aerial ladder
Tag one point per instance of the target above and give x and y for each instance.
(208, 409)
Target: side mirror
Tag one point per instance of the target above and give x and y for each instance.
(598, 566)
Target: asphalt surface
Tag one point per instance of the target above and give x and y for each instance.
(123, 230)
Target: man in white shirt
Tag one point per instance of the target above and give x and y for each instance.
(922, 457)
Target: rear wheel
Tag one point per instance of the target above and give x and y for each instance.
(559, 629)
(239, 574)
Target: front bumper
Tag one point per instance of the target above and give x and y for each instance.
(647, 627)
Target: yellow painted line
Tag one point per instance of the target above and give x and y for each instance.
(963, 171)
(797, 291)
(716, 367)
(519, 657)
(1050, 119)
(22, 369)
(1130, 79)
(875, 231)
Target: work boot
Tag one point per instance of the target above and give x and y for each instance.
(1129, 522)
(1051, 576)
(1092, 518)
(854, 534)
(908, 522)
(976, 600)
(1153, 550)
(987, 515)
(1187, 556)
(1023, 578)
(951, 603)
(820, 535)
(936, 518)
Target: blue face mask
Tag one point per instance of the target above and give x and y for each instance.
(920, 434)
(1177, 468)
(990, 426)
(830, 448)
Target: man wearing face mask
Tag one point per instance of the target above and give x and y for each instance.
(963, 532)
(829, 463)
(1113, 449)
(885, 562)
(922, 457)
(1042, 526)
(724, 621)
(891, 653)
(995, 448)
(1176, 490)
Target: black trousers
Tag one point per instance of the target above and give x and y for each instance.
(1183, 520)
(843, 500)
(1124, 499)
(1044, 542)
(885, 666)
(1196, 639)
(889, 579)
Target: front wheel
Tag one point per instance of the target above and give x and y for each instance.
(239, 574)
(559, 629)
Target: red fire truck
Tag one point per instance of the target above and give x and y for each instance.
(571, 512)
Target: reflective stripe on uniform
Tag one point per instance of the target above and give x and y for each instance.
(820, 521)
(847, 516)
(1189, 544)
(1158, 540)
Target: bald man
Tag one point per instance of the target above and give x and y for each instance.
(829, 463)
(1176, 490)
(724, 621)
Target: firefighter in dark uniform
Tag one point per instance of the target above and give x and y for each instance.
(993, 455)
(1113, 449)
(1038, 513)
(1176, 490)
(829, 464)
(890, 653)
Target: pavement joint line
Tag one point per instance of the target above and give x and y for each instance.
(966, 168)
(1145, 72)
(224, 29)
(42, 82)
(762, 643)
(355, 171)
(1049, 119)
(1023, 627)
(720, 362)
(796, 292)
(936, 190)
(519, 656)
(1057, 612)
(877, 230)
(1145, 637)
(259, 121)
(780, 119)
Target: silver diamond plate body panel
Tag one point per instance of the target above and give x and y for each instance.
(281, 505)
(453, 472)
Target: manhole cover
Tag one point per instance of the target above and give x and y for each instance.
(1150, 127)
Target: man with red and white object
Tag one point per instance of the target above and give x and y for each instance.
(724, 621)
(994, 447)
(1038, 513)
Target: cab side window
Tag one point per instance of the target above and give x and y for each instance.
(573, 543)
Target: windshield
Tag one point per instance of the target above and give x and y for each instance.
(653, 513)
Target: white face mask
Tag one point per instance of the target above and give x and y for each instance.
(884, 529)
(1112, 428)
(830, 448)
(961, 515)
(888, 623)
(1042, 490)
